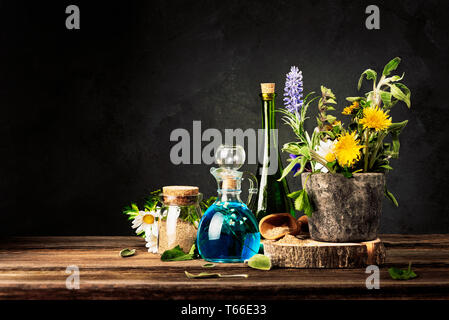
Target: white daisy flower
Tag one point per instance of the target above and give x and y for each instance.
(151, 243)
(146, 221)
(326, 150)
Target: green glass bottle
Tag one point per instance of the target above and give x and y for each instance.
(272, 195)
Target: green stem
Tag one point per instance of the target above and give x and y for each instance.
(321, 160)
(365, 168)
(376, 149)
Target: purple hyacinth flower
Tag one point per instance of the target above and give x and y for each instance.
(297, 166)
(293, 91)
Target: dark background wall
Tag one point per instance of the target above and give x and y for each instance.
(86, 114)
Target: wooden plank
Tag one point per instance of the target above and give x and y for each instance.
(74, 242)
(34, 268)
(279, 284)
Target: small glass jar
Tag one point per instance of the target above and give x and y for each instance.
(180, 216)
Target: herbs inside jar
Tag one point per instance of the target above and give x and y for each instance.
(180, 216)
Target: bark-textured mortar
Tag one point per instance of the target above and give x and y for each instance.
(345, 209)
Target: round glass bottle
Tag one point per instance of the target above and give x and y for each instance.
(228, 230)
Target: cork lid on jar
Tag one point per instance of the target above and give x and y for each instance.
(180, 195)
(267, 87)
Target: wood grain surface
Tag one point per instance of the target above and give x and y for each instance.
(34, 268)
(308, 253)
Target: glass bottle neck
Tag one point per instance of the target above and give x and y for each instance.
(229, 196)
(269, 123)
(268, 111)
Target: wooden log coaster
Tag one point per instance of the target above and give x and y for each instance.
(293, 252)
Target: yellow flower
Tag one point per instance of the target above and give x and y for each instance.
(330, 157)
(347, 149)
(348, 110)
(336, 123)
(375, 118)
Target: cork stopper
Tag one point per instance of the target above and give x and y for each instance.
(229, 184)
(180, 195)
(267, 87)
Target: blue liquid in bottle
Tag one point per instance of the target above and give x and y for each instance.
(228, 232)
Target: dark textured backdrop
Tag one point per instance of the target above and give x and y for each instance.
(86, 115)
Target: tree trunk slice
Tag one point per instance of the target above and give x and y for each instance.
(307, 253)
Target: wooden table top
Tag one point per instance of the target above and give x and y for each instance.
(35, 268)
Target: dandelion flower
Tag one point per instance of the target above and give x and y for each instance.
(375, 118)
(347, 149)
(352, 107)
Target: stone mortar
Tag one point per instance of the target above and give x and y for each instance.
(345, 210)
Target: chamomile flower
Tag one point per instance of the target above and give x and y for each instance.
(151, 243)
(326, 150)
(145, 221)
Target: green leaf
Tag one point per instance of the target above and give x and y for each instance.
(291, 147)
(397, 126)
(304, 150)
(308, 209)
(260, 262)
(289, 168)
(127, 252)
(394, 78)
(208, 265)
(352, 99)
(390, 196)
(202, 275)
(205, 275)
(386, 166)
(405, 90)
(399, 94)
(294, 194)
(331, 165)
(176, 254)
(346, 173)
(370, 75)
(386, 99)
(330, 118)
(326, 92)
(330, 108)
(299, 202)
(391, 66)
(400, 274)
(395, 129)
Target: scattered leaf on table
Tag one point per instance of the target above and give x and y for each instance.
(176, 254)
(206, 275)
(400, 274)
(260, 262)
(202, 275)
(209, 265)
(127, 252)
